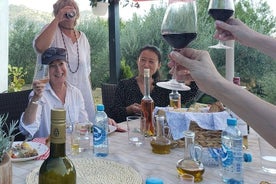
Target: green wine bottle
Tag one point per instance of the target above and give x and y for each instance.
(57, 168)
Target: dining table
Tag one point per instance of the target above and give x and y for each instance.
(148, 164)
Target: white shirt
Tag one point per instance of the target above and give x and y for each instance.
(80, 79)
(74, 106)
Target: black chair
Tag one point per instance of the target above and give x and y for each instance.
(108, 95)
(14, 104)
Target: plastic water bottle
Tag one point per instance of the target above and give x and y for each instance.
(100, 133)
(232, 156)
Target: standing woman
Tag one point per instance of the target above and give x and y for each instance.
(61, 32)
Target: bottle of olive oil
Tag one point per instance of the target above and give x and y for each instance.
(57, 168)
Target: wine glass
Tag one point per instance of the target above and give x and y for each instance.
(179, 28)
(41, 75)
(221, 10)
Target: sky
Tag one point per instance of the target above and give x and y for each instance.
(272, 4)
(47, 5)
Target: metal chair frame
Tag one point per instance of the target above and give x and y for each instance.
(108, 95)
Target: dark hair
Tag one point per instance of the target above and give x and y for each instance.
(156, 76)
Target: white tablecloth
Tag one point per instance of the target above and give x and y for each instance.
(149, 164)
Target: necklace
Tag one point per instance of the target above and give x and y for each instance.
(67, 56)
(68, 28)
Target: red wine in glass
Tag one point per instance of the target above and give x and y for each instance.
(179, 28)
(221, 10)
(179, 41)
(221, 14)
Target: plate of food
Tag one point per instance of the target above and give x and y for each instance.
(23, 151)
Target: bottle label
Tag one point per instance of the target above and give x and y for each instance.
(58, 133)
(99, 135)
(226, 156)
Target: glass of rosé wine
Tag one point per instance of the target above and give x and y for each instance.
(41, 75)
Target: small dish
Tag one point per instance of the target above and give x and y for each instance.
(41, 149)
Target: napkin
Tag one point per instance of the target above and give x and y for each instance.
(180, 121)
(42, 140)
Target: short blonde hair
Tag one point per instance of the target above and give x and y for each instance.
(62, 3)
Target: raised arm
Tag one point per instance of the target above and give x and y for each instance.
(44, 40)
(31, 110)
(259, 114)
(234, 29)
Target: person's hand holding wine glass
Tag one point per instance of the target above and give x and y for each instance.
(181, 73)
(179, 28)
(221, 10)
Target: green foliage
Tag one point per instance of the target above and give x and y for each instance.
(6, 138)
(96, 31)
(268, 86)
(16, 78)
(125, 71)
(250, 63)
(141, 31)
(254, 68)
(259, 17)
(21, 52)
(24, 24)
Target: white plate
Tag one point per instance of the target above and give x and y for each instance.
(111, 129)
(173, 86)
(41, 149)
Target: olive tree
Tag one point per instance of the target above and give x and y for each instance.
(254, 68)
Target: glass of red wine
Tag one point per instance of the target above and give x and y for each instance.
(179, 28)
(221, 10)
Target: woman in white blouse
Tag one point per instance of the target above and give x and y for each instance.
(61, 32)
(57, 93)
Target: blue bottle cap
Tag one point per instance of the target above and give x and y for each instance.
(154, 181)
(234, 181)
(247, 157)
(231, 121)
(100, 107)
